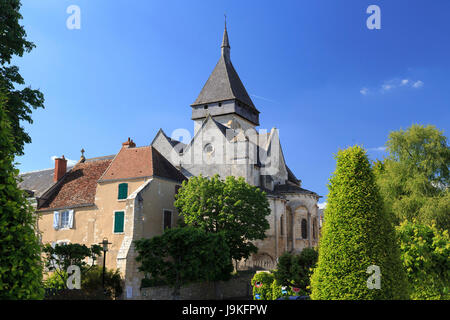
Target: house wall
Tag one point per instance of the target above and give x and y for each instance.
(92, 224)
(144, 219)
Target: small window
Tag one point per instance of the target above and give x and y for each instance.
(220, 104)
(65, 219)
(123, 191)
(205, 107)
(281, 225)
(119, 221)
(167, 219)
(304, 229)
(314, 229)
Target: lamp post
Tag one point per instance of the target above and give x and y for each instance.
(104, 244)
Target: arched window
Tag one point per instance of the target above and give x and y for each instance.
(304, 229)
(314, 229)
(281, 225)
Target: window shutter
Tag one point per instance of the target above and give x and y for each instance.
(70, 219)
(123, 191)
(56, 220)
(118, 221)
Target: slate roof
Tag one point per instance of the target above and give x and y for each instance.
(292, 177)
(37, 181)
(290, 188)
(77, 187)
(141, 162)
(224, 83)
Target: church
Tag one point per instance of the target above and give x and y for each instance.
(129, 195)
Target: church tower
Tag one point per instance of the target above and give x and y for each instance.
(224, 96)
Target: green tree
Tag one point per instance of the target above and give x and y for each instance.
(21, 102)
(414, 178)
(183, 255)
(231, 206)
(60, 257)
(294, 270)
(20, 262)
(357, 233)
(425, 251)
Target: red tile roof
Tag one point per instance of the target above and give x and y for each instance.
(141, 162)
(77, 187)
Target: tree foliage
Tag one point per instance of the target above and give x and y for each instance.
(92, 281)
(414, 178)
(264, 280)
(294, 270)
(60, 257)
(231, 206)
(20, 262)
(21, 102)
(425, 251)
(183, 255)
(357, 233)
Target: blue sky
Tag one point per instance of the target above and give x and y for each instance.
(313, 69)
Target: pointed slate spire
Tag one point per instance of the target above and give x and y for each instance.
(224, 83)
(225, 43)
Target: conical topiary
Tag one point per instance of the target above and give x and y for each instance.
(357, 234)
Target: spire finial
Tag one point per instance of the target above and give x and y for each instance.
(225, 43)
(82, 158)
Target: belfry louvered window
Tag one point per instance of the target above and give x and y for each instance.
(123, 191)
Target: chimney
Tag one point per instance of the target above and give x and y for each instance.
(128, 144)
(60, 168)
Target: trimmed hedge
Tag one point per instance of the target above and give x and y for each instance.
(357, 233)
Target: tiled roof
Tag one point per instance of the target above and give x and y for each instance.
(38, 182)
(141, 162)
(77, 187)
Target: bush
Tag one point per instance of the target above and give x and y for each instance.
(54, 281)
(357, 233)
(91, 281)
(265, 291)
(294, 270)
(91, 285)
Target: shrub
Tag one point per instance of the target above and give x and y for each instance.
(357, 233)
(91, 281)
(265, 291)
(294, 270)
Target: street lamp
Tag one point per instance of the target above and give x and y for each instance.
(104, 244)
